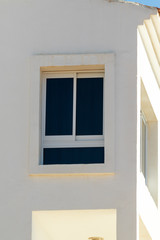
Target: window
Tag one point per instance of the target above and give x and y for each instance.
(79, 90)
(72, 114)
(143, 140)
(89, 224)
(149, 143)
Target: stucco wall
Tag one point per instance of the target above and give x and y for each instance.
(30, 27)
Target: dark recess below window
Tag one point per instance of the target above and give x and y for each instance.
(90, 155)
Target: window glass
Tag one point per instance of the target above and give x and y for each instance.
(143, 146)
(73, 155)
(59, 106)
(89, 108)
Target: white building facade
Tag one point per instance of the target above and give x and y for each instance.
(53, 51)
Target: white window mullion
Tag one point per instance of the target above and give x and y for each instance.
(73, 144)
(74, 104)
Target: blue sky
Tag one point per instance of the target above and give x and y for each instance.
(154, 3)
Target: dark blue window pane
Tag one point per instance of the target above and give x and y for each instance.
(73, 155)
(59, 106)
(89, 115)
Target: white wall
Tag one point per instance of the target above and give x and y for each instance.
(146, 207)
(31, 27)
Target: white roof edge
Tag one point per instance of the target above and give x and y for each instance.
(135, 3)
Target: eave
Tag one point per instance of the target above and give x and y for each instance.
(150, 35)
